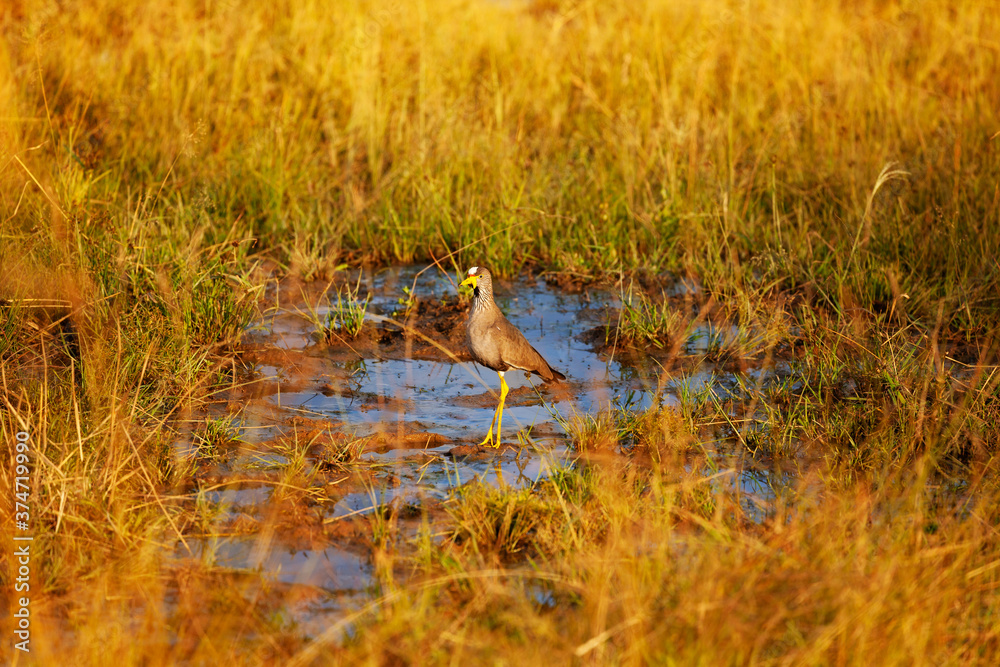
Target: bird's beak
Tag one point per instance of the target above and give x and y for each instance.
(470, 281)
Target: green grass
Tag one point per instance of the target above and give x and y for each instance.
(636, 564)
(216, 434)
(346, 317)
(540, 140)
(826, 173)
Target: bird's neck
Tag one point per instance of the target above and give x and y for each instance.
(483, 298)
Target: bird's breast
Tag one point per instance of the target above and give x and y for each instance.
(481, 336)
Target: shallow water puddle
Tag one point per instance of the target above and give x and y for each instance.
(411, 405)
(315, 587)
(331, 568)
(456, 400)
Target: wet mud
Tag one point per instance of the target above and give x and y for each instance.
(331, 433)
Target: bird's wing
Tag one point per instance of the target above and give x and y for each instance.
(516, 351)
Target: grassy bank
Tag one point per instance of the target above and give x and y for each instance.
(827, 173)
(739, 141)
(623, 565)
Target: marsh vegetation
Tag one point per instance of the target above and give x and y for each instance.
(760, 238)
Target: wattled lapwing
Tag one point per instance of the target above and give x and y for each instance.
(496, 344)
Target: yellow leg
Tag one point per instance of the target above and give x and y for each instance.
(489, 434)
(497, 415)
(503, 396)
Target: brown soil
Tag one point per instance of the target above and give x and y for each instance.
(434, 330)
(518, 396)
(300, 371)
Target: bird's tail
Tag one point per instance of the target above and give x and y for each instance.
(556, 375)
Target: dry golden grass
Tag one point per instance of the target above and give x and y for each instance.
(153, 155)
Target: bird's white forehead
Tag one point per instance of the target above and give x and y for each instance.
(474, 270)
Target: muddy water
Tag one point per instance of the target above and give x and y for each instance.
(456, 400)
(418, 412)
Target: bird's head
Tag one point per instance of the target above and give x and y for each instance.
(474, 275)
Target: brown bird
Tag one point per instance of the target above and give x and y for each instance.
(496, 343)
